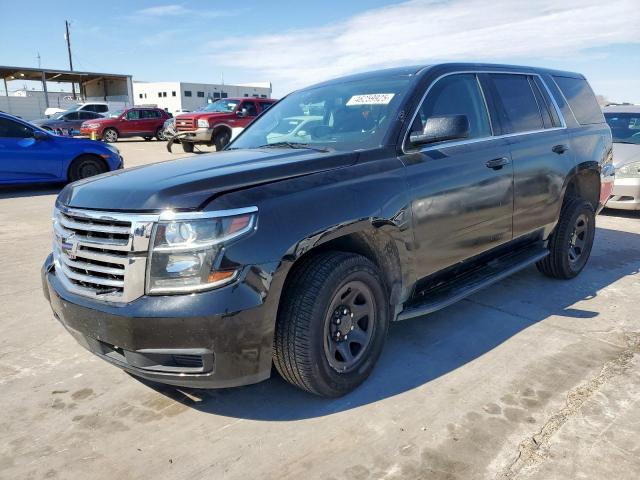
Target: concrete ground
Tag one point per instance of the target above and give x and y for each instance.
(531, 379)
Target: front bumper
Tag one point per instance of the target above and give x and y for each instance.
(625, 194)
(87, 132)
(215, 339)
(199, 135)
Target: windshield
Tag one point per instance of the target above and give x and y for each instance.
(625, 127)
(340, 116)
(116, 113)
(225, 106)
(58, 116)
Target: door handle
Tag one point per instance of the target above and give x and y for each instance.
(559, 149)
(497, 163)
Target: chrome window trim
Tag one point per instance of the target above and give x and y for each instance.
(566, 102)
(481, 139)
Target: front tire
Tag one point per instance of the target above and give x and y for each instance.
(85, 166)
(221, 140)
(332, 323)
(110, 135)
(187, 147)
(571, 242)
(160, 135)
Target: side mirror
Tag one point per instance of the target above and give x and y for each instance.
(39, 135)
(439, 129)
(241, 113)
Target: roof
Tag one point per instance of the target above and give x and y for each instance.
(416, 70)
(27, 73)
(621, 109)
(238, 99)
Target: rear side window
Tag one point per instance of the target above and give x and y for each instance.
(265, 105)
(458, 94)
(520, 111)
(89, 115)
(581, 99)
(149, 114)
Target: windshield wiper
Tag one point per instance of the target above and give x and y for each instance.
(305, 146)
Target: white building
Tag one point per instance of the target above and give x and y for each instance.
(182, 96)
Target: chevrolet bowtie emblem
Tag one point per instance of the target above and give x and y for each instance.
(70, 246)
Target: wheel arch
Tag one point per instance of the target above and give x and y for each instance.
(370, 242)
(584, 182)
(112, 127)
(219, 127)
(84, 155)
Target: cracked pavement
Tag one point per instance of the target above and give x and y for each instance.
(530, 379)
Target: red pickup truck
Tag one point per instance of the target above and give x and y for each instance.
(219, 121)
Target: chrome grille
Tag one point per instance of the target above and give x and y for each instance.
(102, 255)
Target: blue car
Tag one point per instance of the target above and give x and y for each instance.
(29, 154)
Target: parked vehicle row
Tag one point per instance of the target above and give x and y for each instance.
(347, 205)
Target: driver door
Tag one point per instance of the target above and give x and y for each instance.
(132, 125)
(461, 190)
(25, 159)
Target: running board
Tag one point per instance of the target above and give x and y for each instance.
(444, 295)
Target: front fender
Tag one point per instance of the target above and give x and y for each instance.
(299, 215)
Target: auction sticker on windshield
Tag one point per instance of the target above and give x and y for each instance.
(371, 99)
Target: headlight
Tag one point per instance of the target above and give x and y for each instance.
(113, 149)
(632, 170)
(203, 123)
(185, 252)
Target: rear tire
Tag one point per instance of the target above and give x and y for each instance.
(187, 147)
(330, 297)
(571, 242)
(85, 166)
(110, 135)
(221, 140)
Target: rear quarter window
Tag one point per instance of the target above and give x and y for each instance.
(581, 99)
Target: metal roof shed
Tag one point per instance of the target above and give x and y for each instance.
(93, 86)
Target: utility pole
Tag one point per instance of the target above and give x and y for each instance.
(68, 39)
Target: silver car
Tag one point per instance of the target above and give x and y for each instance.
(624, 121)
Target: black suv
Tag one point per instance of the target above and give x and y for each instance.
(359, 201)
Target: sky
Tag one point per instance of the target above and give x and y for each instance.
(298, 43)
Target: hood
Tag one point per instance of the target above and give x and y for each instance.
(189, 183)
(624, 153)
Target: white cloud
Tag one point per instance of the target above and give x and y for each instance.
(176, 10)
(163, 11)
(422, 31)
